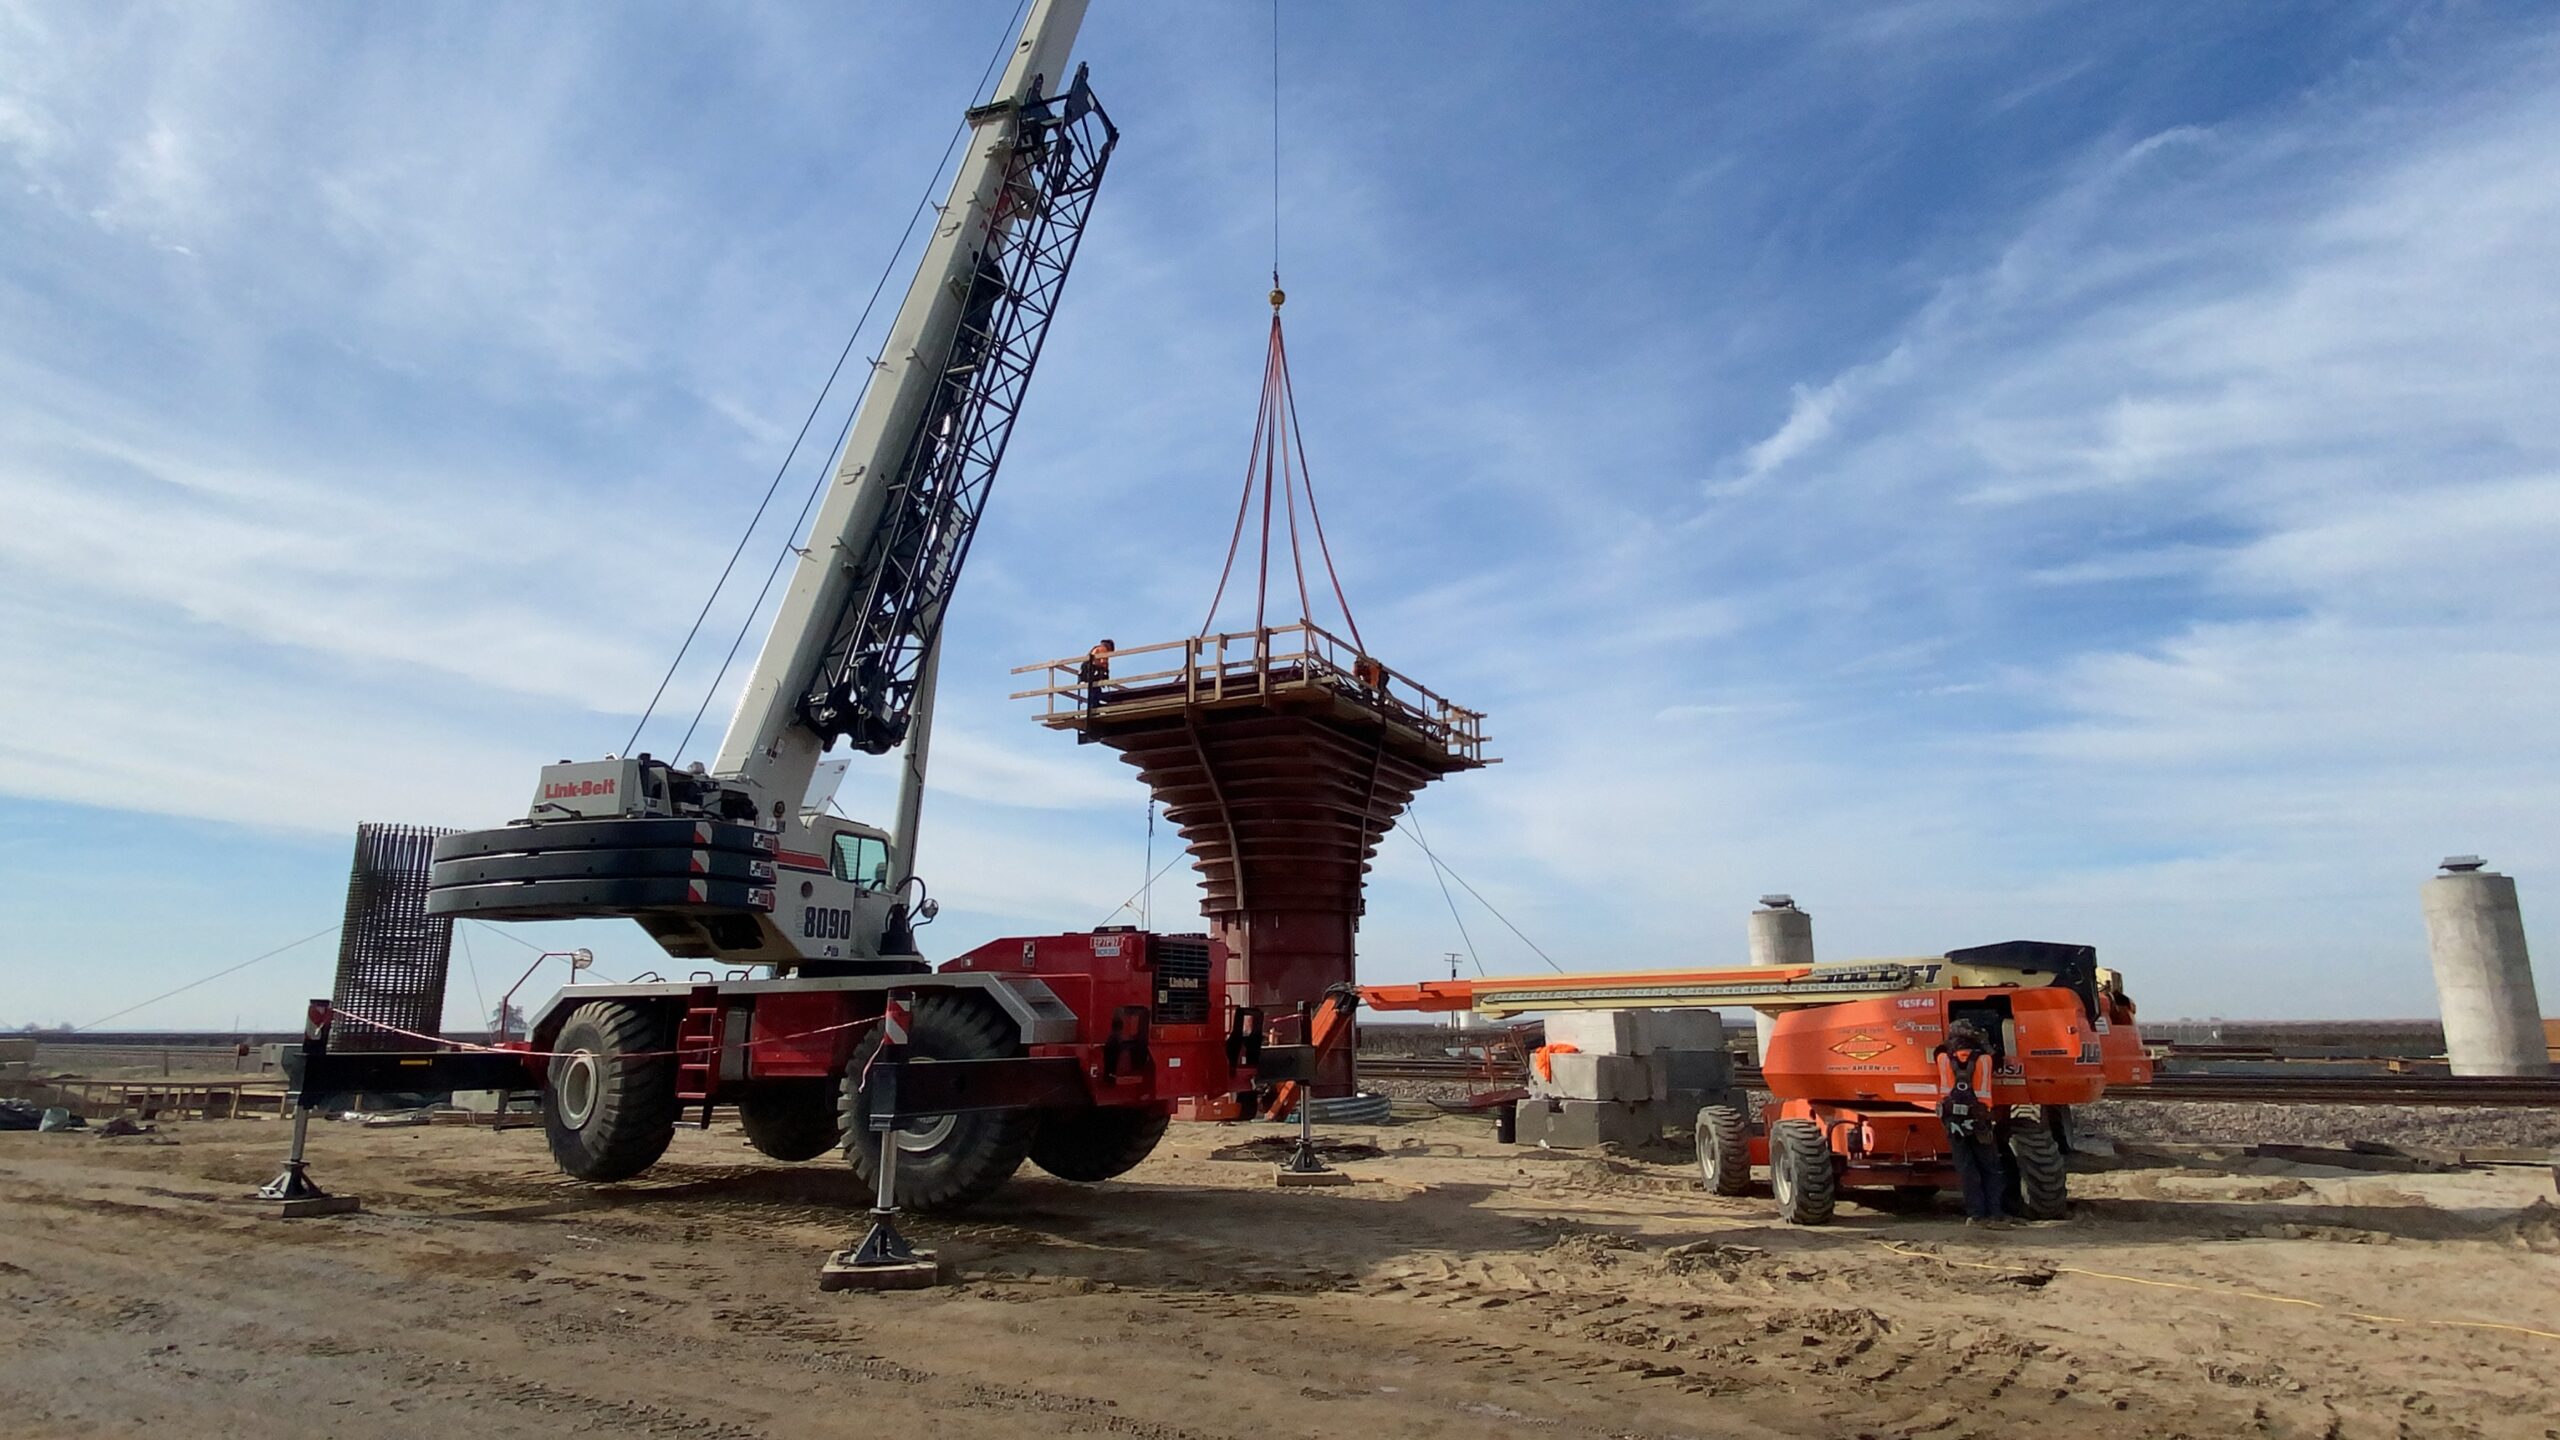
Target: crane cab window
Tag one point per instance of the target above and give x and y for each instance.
(863, 860)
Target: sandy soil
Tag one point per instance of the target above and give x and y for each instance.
(1458, 1290)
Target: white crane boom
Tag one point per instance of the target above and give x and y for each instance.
(769, 747)
(719, 862)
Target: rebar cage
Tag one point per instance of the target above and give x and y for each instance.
(392, 955)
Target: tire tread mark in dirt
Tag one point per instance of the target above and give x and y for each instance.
(1009, 1398)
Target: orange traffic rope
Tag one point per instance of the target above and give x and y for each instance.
(2233, 1291)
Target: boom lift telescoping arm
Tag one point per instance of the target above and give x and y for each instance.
(1759, 987)
(719, 863)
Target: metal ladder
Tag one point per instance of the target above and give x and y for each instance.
(698, 1051)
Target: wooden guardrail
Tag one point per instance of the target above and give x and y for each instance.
(1209, 669)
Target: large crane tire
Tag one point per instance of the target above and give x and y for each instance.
(1097, 1142)
(792, 1119)
(2044, 1181)
(1800, 1173)
(945, 1162)
(1724, 1150)
(609, 1105)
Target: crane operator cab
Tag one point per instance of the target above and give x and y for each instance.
(847, 908)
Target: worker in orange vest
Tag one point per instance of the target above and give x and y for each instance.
(1964, 1107)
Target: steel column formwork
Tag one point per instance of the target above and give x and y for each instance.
(1283, 773)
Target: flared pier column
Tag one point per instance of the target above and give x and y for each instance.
(1284, 757)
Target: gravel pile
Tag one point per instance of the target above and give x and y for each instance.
(2203, 1123)
(1413, 1093)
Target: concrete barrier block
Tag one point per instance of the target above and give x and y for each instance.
(1598, 1032)
(1692, 1069)
(1681, 1030)
(1582, 1124)
(1599, 1077)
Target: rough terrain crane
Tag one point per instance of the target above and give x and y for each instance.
(1069, 1050)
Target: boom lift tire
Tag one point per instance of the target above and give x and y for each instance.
(609, 1116)
(1724, 1150)
(2044, 1181)
(1098, 1142)
(791, 1119)
(1800, 1173)
(945, 1162)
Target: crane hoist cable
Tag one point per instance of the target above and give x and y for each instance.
(1275, 147)
(1277, 461)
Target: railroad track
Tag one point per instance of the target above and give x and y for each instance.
(2249, 1089)
(1436, 1067)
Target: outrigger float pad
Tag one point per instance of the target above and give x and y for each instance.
(568, 869)
(1288, 1179)
(922, 1270)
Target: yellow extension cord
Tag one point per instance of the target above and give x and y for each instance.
(1909, 1254)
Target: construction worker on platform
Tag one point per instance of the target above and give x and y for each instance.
(1369, 673)
(1964, 1107)
(1095, 669)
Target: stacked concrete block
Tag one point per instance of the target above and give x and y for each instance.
(1682, 1031)
(1560, 1124)
(1625, 1076)
(1598, 1032)
(1600, 1077)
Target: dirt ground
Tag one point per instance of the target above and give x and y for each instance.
(1460, 1289)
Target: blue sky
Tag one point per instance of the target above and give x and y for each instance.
(2063, 470)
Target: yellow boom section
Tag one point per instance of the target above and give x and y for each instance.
(1757, 987)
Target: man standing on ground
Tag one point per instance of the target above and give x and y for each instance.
(1964, 1107)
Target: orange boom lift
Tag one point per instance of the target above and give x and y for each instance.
(1849, 1070)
